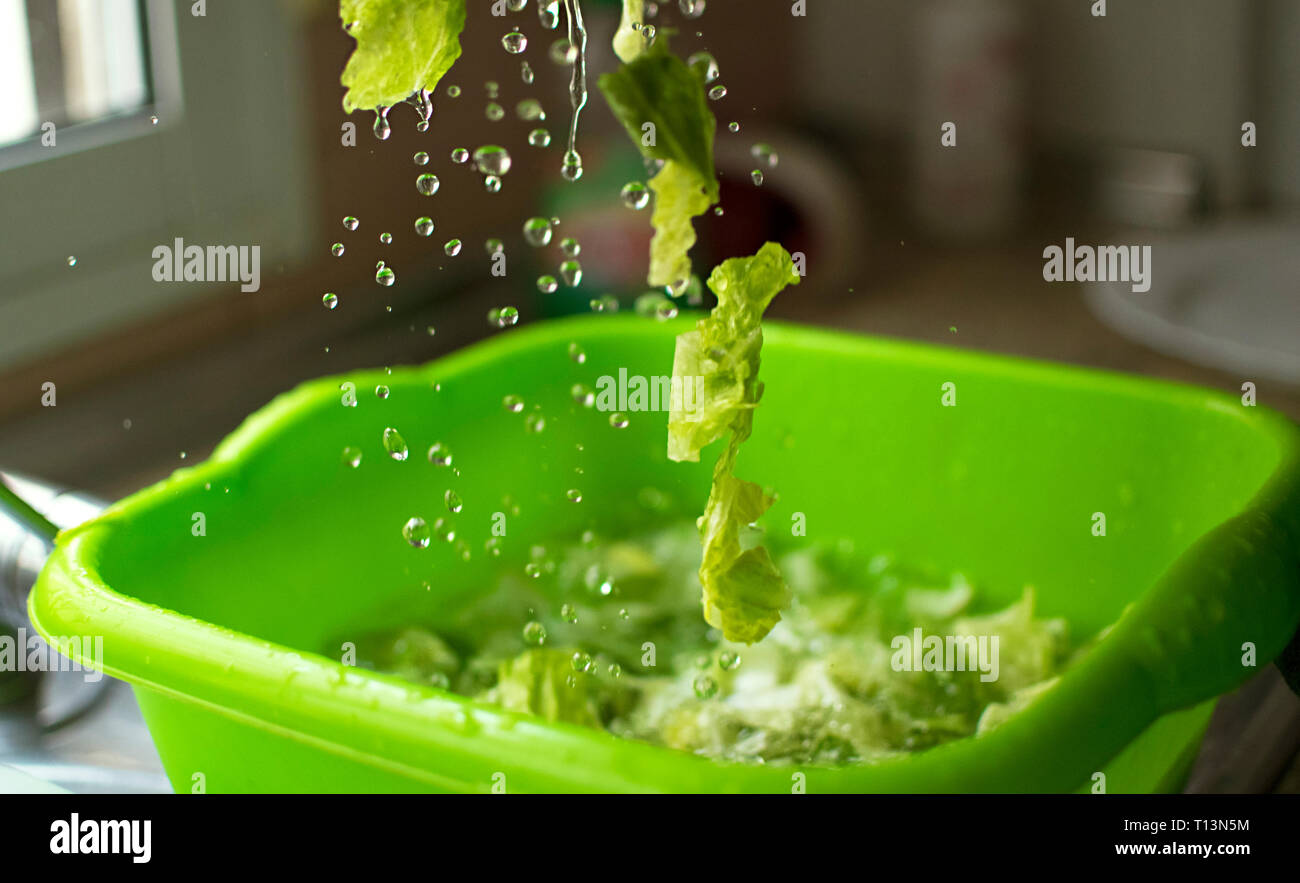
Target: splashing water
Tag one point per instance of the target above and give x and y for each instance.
(548, 13)
(382, 128)
(571, 170)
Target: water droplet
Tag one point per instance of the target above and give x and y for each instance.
(547, 284)
(444, 530)
(453, 501)
(459, 155)
(351, 456)
(562, 52)
(330, 300)
(534, 634)
(427, 184)
(529, 110)
(503, 317)
(385, 277)
(337, 249)
(717, 92)
(571, 170)
(537, 232)
(452, 248)
(72, 260)
(583, 395)
(764, 155)
(733, 127)
(533, 570)
(439, 454)
(351, 223)
(705, 687)
(729, 660)
(534, 422)
(386, 238)
(568, 613)
(381, 391)
(654, 305)
(570, 246)
(576, 353)
(635, 195)
(539, 138)
(424, 225)
(548, 13)
(606, 303)
(513, 403)
(649, 31)
(494, 112)
(618, 420)
(382, 129)
(514, 42)
(394, 444)
(494, 246)
(153, 120)
(416, 532)
(526, 73)
(581, 662)
(492, 184)
(421, 158)
(571, 273)
(757, 177)
(704, 65)
(492, 160)
(691, 8)
(423, 105)
(718, 211)
(453, 91)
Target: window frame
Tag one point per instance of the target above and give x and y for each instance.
(201, 173)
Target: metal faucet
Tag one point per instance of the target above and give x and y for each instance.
(31, 512)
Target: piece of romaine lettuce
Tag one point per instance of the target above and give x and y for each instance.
(403, 46)
(662, 105)
(629, 42)
(743, 589)
(536, 682)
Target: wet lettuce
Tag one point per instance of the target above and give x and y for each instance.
(658, 88)
(537, 682)
(403, 46)
(629, 42)
(743, 590)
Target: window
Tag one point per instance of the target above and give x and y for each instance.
(167, 124)
(70, 65)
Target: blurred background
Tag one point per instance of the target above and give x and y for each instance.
(1169, 123)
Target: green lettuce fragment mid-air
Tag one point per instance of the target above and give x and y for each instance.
(743, 590)
(629, 42)
(680, 195)
(662, 105)
(403, 46)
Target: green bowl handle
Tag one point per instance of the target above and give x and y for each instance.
(1228, 604)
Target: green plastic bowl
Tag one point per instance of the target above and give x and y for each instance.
(221, 634)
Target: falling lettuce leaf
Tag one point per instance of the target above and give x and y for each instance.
(743, 589)
(724, 348)
(680, 195)
(629, 42)
(403, 46)
(662, 105)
